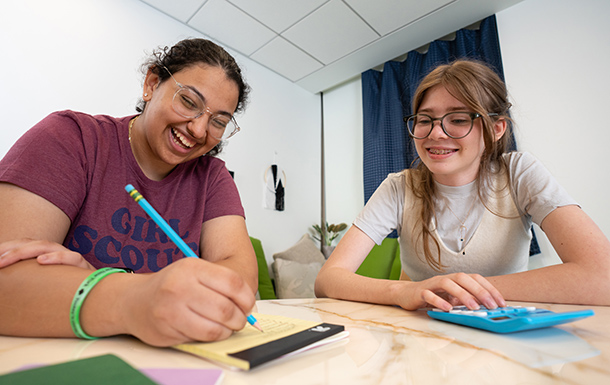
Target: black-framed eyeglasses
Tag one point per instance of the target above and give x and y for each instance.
(455, 125)
(189, 104)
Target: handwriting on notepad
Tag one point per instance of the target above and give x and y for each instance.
(273, 326)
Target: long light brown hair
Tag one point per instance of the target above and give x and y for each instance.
(482, 91)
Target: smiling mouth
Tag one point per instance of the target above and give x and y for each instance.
(180, 140)
(440, 151)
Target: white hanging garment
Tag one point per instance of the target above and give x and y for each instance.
(275, 183)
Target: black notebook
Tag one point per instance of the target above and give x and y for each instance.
(249, 347)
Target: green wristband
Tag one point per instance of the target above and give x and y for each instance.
(82, 292)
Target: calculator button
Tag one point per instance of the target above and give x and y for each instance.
(480, 313)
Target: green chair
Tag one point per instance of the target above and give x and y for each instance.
(265, 286)
(383, 261)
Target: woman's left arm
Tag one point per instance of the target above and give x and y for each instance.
(225, 241)
(584, 275)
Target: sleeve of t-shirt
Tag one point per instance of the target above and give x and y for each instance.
(223, 197)
(49, 161)
(382, 214)
(537, 192)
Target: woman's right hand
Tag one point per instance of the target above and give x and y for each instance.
(45, 252)
(446, 291)
(189, 300)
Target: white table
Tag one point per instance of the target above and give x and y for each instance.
(387, 345)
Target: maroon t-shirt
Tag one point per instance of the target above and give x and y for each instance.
(82, 163)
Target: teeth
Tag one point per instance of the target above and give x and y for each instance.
(437, 151)
(181, 140)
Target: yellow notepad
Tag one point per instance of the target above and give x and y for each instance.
(249, 347)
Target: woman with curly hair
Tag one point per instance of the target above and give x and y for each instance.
(67, 223)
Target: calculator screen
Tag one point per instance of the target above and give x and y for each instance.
(499, 318)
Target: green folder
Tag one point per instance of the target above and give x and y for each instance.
(102, 370)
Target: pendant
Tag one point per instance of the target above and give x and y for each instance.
(462, 231)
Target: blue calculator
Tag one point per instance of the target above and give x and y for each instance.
(507, 319)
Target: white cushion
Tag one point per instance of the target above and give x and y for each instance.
(304, 251)
(296, 268)
(294, 279)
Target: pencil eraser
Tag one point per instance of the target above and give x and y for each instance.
(129, 188)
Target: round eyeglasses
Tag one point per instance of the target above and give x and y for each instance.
(188, 103)
(455, 125)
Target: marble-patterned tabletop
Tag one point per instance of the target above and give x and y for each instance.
(386, 345)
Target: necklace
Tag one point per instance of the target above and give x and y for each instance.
(462, 229)
(131, 122)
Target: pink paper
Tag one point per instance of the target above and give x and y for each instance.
(174, 376)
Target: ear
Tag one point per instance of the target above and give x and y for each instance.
(500, 128)
(151, 82)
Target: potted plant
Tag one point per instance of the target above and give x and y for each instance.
(327, 235)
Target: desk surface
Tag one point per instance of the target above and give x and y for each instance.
(386, 345)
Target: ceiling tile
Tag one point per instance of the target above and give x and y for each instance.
(179, 9)
(331, 32)
(390, 15)
(286, 59)
(226, 23)
(278, 14)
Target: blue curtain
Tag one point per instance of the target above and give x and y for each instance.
(386, 98)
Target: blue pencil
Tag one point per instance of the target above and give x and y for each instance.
(171, 233)
(252, 321)
(160, 221)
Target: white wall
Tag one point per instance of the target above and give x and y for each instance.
(85, 55)
(556, 55)
(343, 152)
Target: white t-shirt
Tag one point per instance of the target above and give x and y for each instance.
(459, 210)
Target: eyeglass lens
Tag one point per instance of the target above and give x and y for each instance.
(455, 124)
(188, 104)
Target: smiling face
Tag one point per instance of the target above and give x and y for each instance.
(453, 162)
(161, 138)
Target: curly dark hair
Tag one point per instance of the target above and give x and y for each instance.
(193, 51)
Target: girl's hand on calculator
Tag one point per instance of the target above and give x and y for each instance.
(446, 291)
